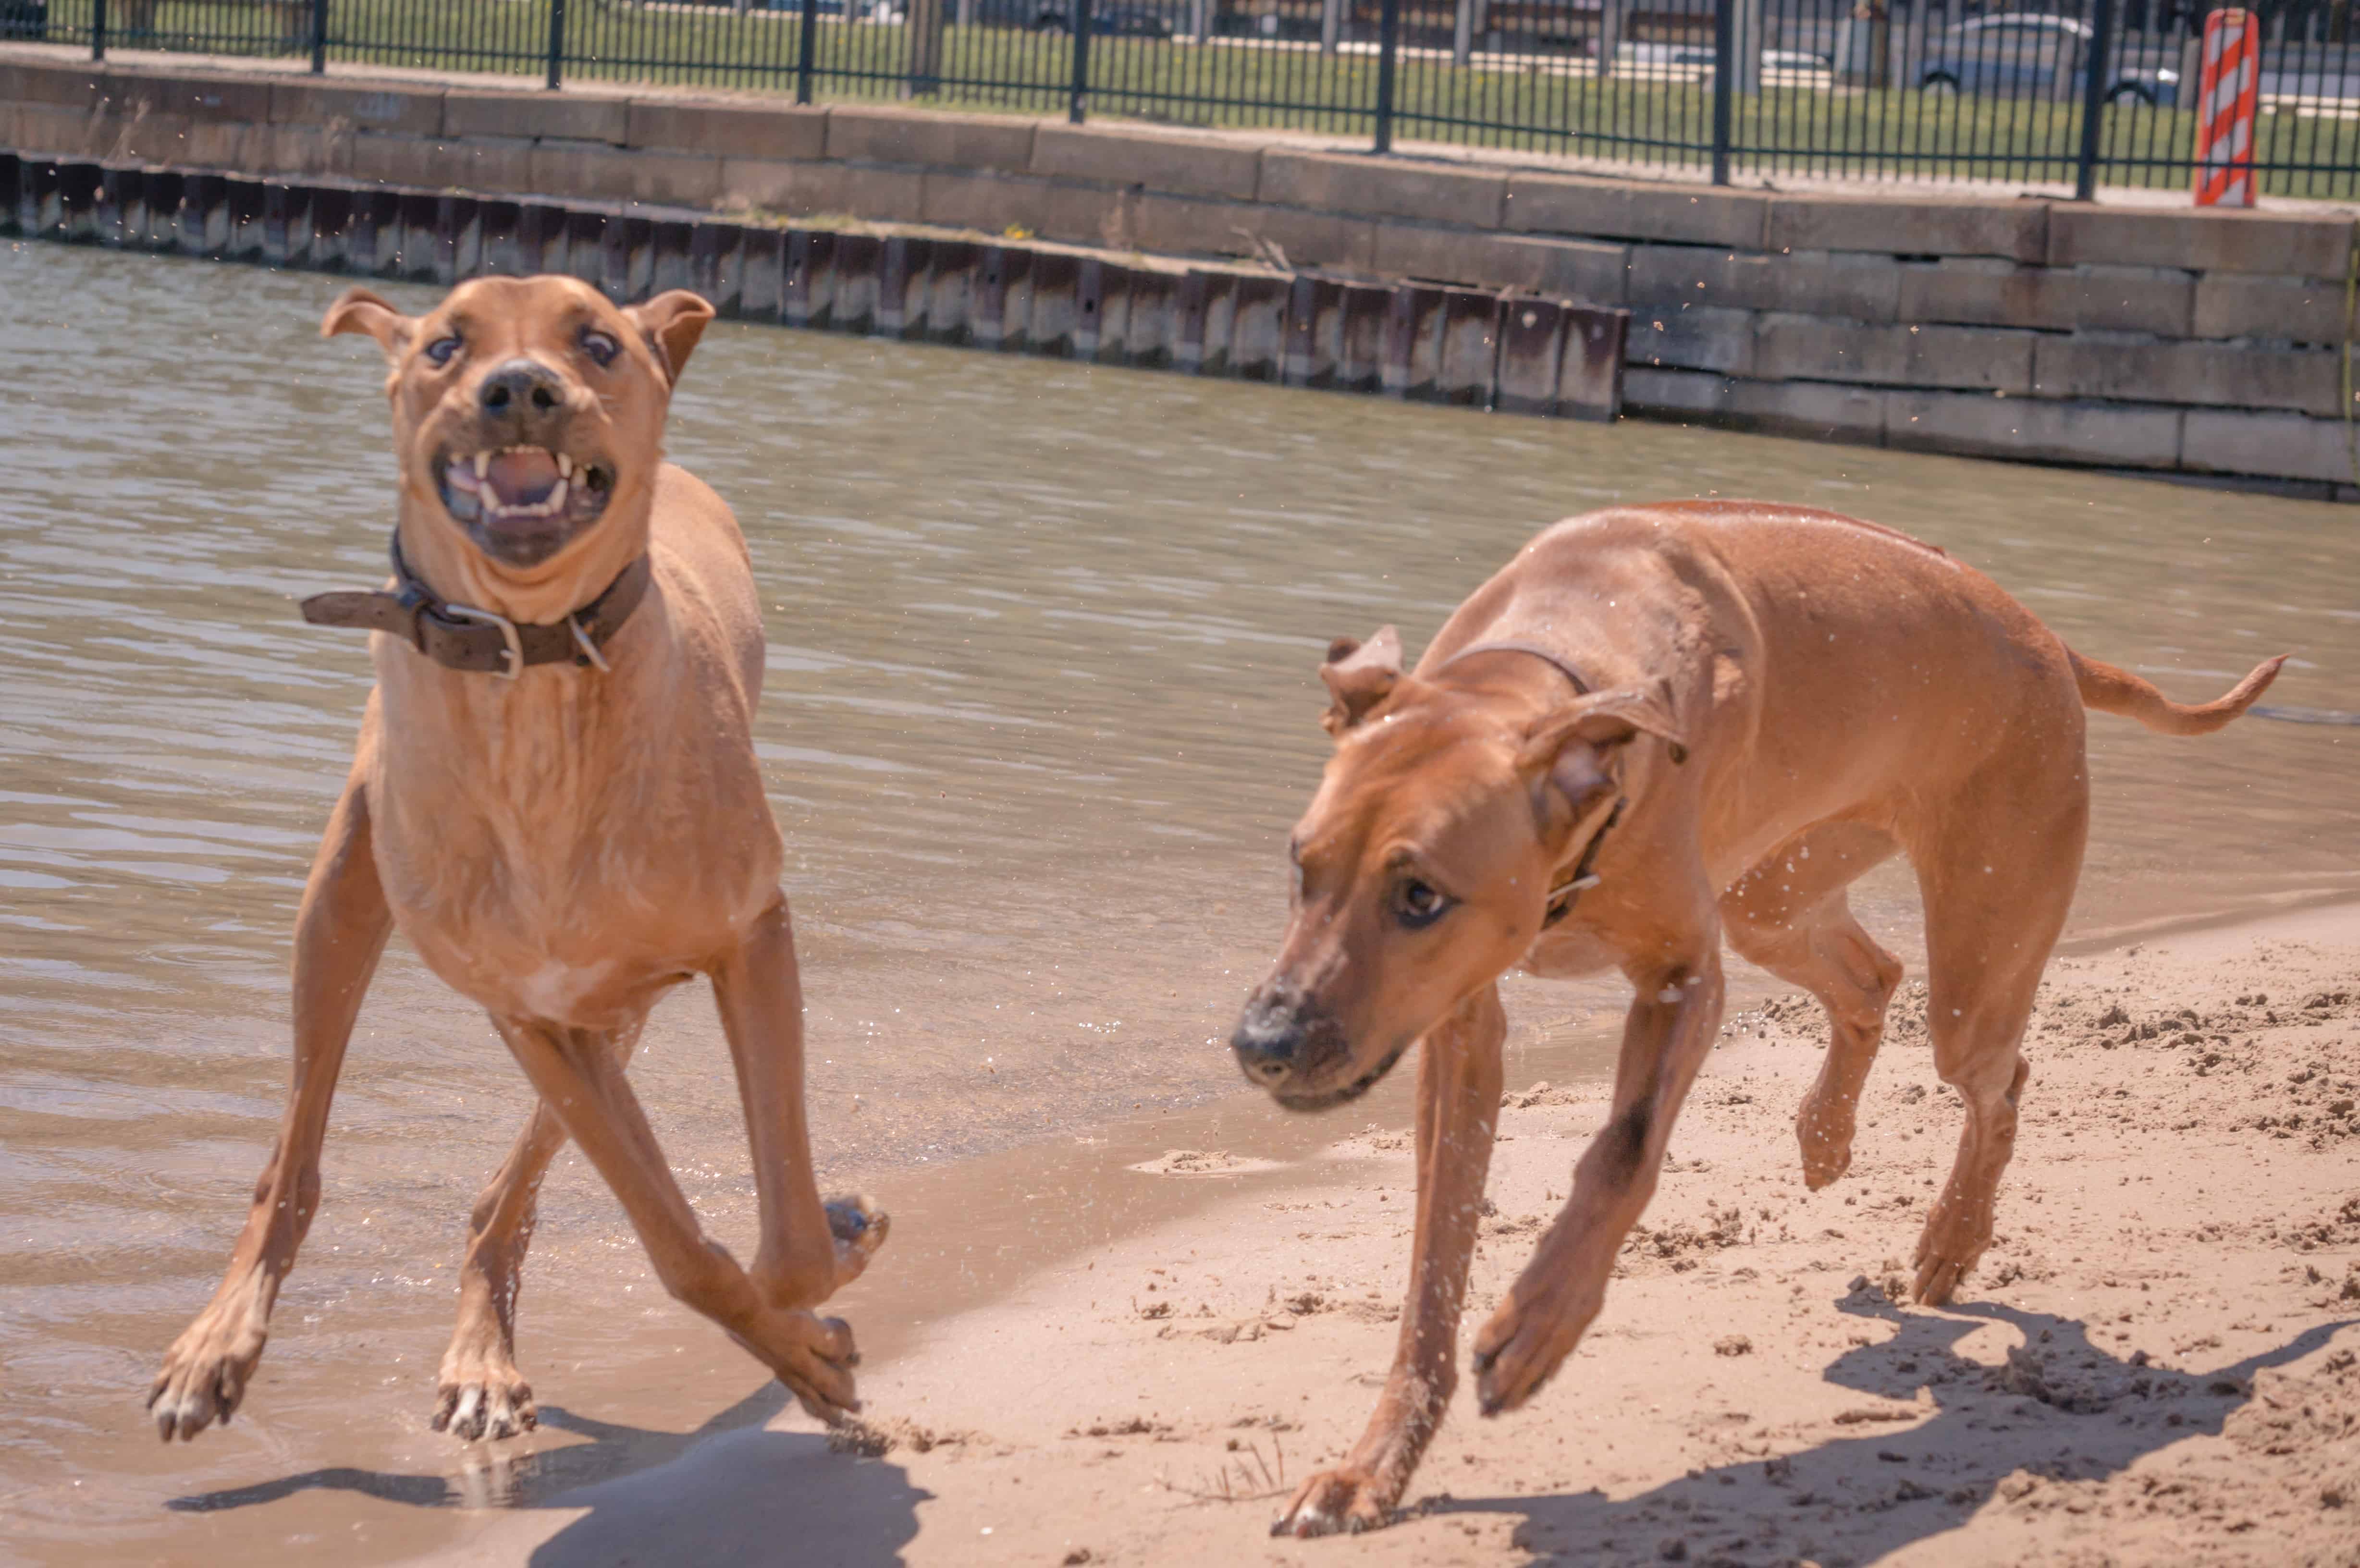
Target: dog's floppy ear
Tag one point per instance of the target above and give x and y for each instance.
(672, 322)
(1604, 719)
(1359, 676)
(358, 310)
(1577, 773)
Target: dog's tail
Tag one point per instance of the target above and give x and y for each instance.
(2112, 691)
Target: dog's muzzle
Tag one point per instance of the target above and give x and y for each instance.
(1284, 1038)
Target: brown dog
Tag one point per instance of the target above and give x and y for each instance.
(1659, 725)
(555, 797)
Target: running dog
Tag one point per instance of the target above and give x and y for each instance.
(555, 798)
(1657, 727)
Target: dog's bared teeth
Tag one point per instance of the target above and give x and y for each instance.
(564, 466)
(482, 465)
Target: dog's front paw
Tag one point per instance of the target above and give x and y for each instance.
(1956, 1233)
(484, 1400)
(1338, 1502)
(813, 1356)
(1825, 1132)
(207, 1369)
(1518, 1351)
(859, 1230)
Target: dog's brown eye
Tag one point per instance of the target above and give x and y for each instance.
(1416, 905)
(600, 347)
(441, 349)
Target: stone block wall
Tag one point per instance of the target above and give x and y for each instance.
(2174, 340)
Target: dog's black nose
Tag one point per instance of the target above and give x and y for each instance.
(521, 386)
(1269, 1038)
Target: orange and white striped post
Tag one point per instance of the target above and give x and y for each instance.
(2231, 82)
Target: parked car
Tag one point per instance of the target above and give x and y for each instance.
(2022, 55)
(883, 12)
(1107, 21)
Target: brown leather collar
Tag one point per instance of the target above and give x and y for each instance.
(460, 636)
(1517, 645)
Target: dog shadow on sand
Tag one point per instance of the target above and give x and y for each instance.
(741, 1493)
(2060, 1410)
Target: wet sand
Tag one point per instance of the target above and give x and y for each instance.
(2156, 1363)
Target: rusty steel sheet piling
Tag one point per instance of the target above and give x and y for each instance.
(1192, 304)
(331, 228)
(1257, 326)
(951, 292)
(1056, 286)
(1590, 378)
(1149, 317)
(162, 199)
(541, 237)
(78, 200)
(1531, 347)
(668, 244)
(1525, 354)
(808, 294)
(710, 245)
(1470, 364)
(1314, 331)
(762, 275)
(585, 246)
(902, 270)
(858, 259)
(205, 215)
(245, 228)
(498, 223)
(1004, 297)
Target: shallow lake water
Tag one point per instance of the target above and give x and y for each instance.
(1041, 706)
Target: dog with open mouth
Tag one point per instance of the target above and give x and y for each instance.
(554, 798)
(1658, 727)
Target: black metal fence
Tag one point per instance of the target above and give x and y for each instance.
(2077, 93)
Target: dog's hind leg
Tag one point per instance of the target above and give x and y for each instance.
(1997, 879)
(1789, 915)
(339, 932)
(809, 1250)
(580, 1077)
(1458, 1111)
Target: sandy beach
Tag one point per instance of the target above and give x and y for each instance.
(2155, 1364)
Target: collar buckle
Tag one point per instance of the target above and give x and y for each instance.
(514, 651)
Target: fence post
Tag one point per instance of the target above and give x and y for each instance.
(1388, 51)
(922, 21)
(1080, 15)
(319, 37)
(1724, 71)
(97, 29)
(2093, 99)
(808, 46)
(556, 42)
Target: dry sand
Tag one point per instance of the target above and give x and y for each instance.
(2154, 1364)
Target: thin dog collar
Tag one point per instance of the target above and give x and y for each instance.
(460, 636)
(1561, 897)
(1516, 645)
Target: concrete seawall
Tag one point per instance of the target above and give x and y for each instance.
(2167, 340)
